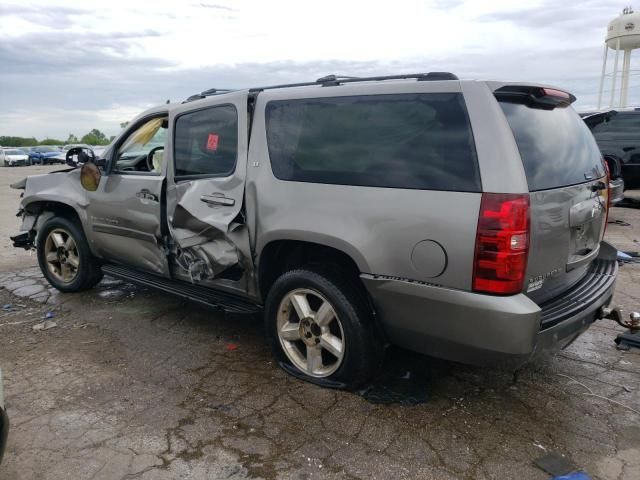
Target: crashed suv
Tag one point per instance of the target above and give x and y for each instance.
(460, 219)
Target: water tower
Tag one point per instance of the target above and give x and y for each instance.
(623, 34)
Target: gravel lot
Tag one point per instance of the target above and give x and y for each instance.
(132, 383)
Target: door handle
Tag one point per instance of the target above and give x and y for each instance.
(218, 200)
(145, 194)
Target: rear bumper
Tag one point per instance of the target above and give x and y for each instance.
(15, 163)
(484, 329)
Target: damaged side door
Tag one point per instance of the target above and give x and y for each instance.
(205, 192)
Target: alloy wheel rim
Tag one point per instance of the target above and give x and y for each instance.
(62, 255)
(311, 333)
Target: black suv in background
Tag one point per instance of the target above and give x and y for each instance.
(617, 133)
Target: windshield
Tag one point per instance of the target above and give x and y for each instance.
(14, 152)
(556, 147)
(150, 135)
(46, 149)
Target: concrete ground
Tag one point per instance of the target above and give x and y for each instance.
(132, 383)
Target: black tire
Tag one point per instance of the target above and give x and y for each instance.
(88, 272)
(363, 347)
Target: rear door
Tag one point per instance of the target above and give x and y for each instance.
(568, 195)
(205, 190)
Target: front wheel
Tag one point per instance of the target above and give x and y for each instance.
(321, 329)
(64, 256)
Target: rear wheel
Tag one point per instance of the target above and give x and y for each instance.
(321, 328)
(64, 256)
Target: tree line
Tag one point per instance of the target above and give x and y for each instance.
(94, 137)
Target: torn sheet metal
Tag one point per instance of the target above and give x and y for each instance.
(207, 240)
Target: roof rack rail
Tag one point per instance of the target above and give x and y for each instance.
(334, 80)
(207, 93)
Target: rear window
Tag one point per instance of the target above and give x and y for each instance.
(556, 147)
(413, 141)
(619, 126)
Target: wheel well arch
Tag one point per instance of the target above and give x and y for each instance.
(280, 256)
(615, 164)
(58, 208)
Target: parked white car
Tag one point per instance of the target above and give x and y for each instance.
(10, 157)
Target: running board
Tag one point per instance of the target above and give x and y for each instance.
(205, 296)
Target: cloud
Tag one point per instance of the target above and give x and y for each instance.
(69, 69)
(55, 52)
(57, 18)
(217, 7)
(562, 17)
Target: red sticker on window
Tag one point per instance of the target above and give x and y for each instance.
(212, 142)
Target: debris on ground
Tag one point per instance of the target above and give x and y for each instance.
(44, 326)
(579, 475)
(590, 393)
(622, 223)
(10, 307)
(232, 346)
(628, 257)
(555, 464)
(49, 315)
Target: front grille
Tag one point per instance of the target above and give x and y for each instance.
(599, 277)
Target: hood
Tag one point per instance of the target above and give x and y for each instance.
(22, 184)
(22, 156)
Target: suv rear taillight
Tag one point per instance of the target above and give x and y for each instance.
(502, 243)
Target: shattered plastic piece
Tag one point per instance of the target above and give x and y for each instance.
(7, 307)
(44, 326)
(232, 346)
(49, 315)
(623, 256)
(579, 475)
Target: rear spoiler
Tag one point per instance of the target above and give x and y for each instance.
(534, 96)
(598, 118)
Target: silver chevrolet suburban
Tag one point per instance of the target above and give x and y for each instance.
(461, 219)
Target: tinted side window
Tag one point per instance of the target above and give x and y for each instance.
(206, 142)
(415, 141)
(556, 147)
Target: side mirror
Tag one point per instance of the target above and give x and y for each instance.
(90, 176)
(79, 155)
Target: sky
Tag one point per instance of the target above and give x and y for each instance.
(70, 66)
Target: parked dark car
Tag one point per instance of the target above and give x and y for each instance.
(617, 133)
(43, 155)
